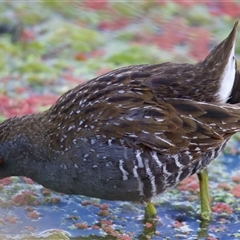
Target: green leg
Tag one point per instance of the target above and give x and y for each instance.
(204, 195)
(150, 211)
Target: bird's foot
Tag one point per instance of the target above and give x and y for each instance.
(150, 211)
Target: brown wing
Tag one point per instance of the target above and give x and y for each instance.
(133, 110)
(169, 126)
(124, 104)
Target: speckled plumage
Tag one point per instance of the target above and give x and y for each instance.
(131, 133)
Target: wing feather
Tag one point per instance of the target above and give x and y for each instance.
(170, 125)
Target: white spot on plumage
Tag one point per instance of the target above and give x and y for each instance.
(151, 177)
(124, 172)
(139, 158)
(132, 135)
(178, 176)
(166, 171)
(228, 78)
(140, 183)
(175, 156)
(164, 140)
(134, 108)
(159, 119)
(121, 91)
(63, 166)
(130, 119)
(155, 157)
(71, 127)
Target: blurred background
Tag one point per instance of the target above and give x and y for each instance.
(48, 47)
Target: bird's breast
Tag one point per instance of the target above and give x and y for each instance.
(109, 169)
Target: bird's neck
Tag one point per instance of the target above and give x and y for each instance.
(23, 142)
(31, 126)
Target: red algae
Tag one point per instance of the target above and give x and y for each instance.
(224, 186)
(81, 225)
(22, 107)
(86, 203)
(46, 192)
(236, 178)
(109, 230)
(106, 222)
(222, 207)
(107, 227)
(53, 200)
(96, 5)
(104, 206)
(27, 180)
(95, 227)
(189, 184)
(80, 57)
(211, 238)
(33, 215)
(11, 219)
(6, 181)
(28, 209)
(104, 213)
(25, 198)
(124, 237)
(236, 191)
(148, 225)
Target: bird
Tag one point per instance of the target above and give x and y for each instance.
(132, 133)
